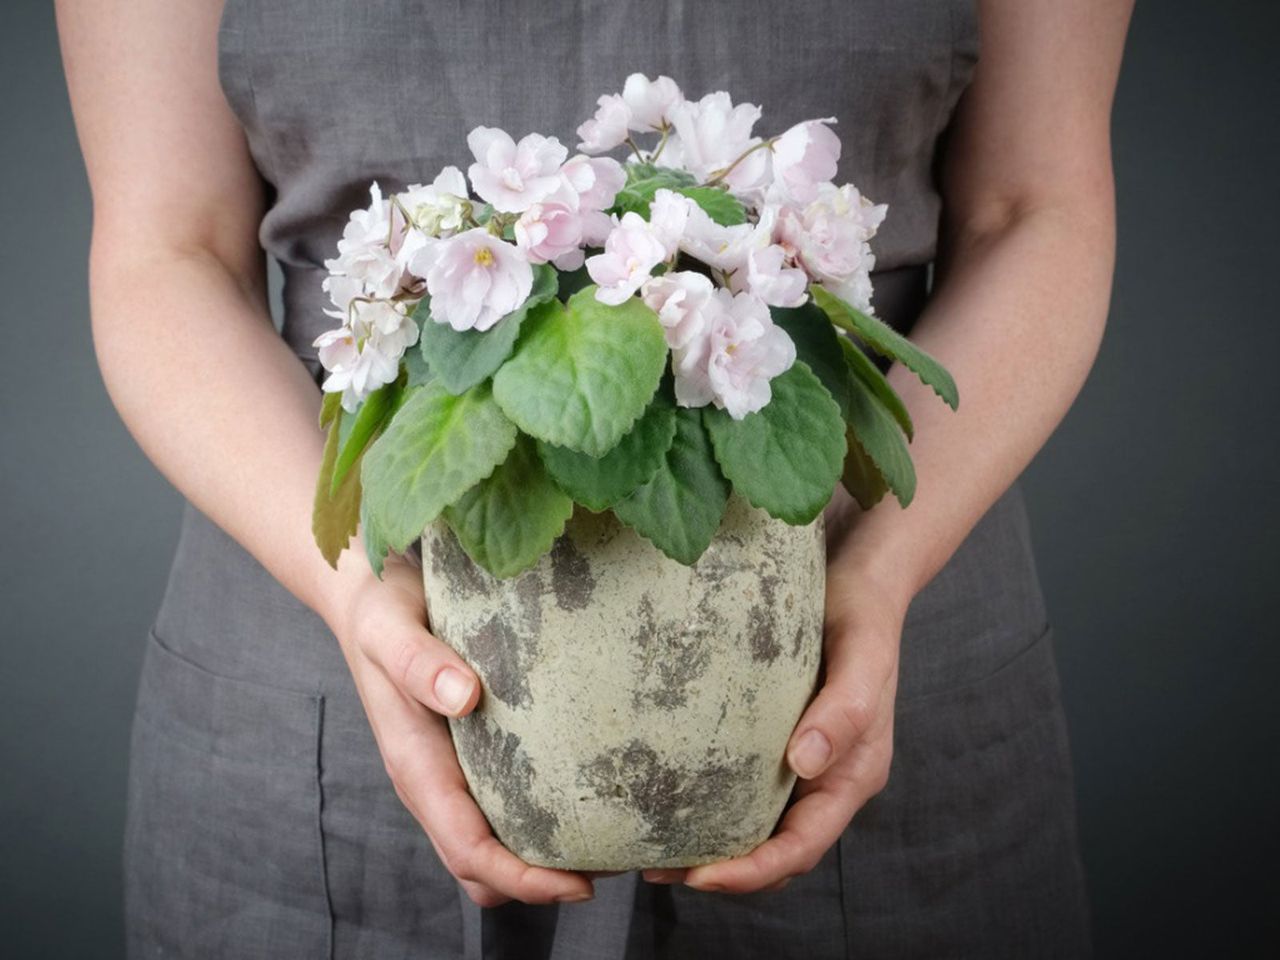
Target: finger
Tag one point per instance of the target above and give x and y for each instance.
(430, 671)
(421, 761)
(858, 688)
(808, 829)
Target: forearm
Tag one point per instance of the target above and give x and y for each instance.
(218, 402)
(1017, 318)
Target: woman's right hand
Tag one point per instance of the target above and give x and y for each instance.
(409, 681)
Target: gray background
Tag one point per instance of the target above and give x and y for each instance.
(1153, 506)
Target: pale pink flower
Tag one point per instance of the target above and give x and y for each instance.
(724, 248)
(631, 251)
(552, 231)
(514, 176)
(608, 128)
(767, 275)
(596, 180)
(830, 238)
(650, 101)
(367, 250)
(680, 300)
(475, 279)
(712, 133)
(803, 158)
(744, 351)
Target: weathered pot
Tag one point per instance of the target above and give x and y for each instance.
(635, 712)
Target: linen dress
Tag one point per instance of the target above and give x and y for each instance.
(261, 823)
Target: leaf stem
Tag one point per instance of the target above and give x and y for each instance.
(719, 175)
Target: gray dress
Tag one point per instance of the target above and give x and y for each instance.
(261, 822)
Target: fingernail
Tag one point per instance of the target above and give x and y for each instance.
(574, 897)
(810, 754)
(453, 689)
(662, 876)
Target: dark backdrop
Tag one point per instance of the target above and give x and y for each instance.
(1153, 508)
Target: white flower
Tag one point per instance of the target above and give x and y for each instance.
(669, 214)
(803, 158)
(475, 279)
(680, 300)
(607, 128)
(830, 238)
(364, 353)
(724, 248)
(367, 250)
(514, 176)
(650, 101)
(631, 251)
(439, 209)
(767, 275)
(712, 133)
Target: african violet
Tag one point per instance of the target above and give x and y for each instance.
(642, 337)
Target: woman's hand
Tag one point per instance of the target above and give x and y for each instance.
(408, 679)
(841, 748)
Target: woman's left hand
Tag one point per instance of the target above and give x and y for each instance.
(841, 748)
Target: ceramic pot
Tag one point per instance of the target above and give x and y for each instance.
(635, 711)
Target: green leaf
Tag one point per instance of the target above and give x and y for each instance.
(720, 205)
(462, 358)
(368, 422)
(787, 457)
(680, 508)
(645, 180)
(415, 369)
(599, 482)
(375, 544)
(437, 447)
(511, 518)
(880, 436)
(888, 342)
(330, 406)
(861, 477)
(817, 344)
(584, 372)
(861, 366)
(334, 516)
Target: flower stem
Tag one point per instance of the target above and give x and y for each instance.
(719, 175)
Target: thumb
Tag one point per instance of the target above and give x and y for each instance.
(846, 709)
(429, 671)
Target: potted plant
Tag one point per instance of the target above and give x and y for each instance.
(611, 402)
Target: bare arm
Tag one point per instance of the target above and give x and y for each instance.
(1025, 275)
(224, 408)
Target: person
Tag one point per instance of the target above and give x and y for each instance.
(293, 788)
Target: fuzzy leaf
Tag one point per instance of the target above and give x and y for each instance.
(817, 344)
(680, 508)
(415, 369)
(334, 516)
(860, 366)
(880, 436)
(511, 518)
(462, 358)
(583, 372)
(437, 447)
(720, 205)
(367, 423)
(645, 180)
(861, 477)
(599, 482)
(787, 457)
(375, 544)
(888, 342)
(329, 408)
